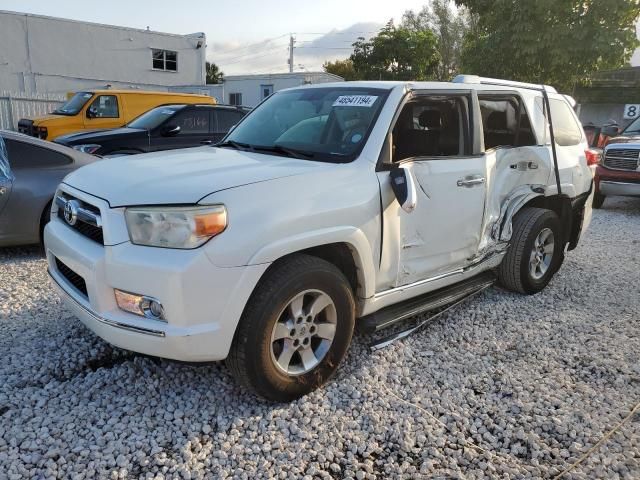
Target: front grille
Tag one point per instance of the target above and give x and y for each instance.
(93, 232)
(72, 277)
(622, 159)
(26, 127)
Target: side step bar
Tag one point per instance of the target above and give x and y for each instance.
(393, 314)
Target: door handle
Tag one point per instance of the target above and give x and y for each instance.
(471, 181)
(206, 142)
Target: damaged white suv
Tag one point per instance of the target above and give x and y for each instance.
(327, 206)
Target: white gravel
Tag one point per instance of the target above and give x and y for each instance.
(533, 382)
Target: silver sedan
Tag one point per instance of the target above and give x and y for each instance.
(30, 171)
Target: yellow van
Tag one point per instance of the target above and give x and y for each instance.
(99, 109)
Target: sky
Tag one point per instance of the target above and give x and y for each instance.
(248, 36)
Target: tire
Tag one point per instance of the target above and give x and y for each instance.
(598, 200)
(254, 355)
(515, 272)
(44, 219)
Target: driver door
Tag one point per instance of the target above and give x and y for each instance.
(432, 138)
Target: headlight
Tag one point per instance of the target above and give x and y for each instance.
(175, 227)
(88, 148)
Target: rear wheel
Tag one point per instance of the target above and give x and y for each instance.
(598, 200)
(536, 251)
(295, 329)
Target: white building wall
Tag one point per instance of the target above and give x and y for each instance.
(44, 54)
(250, 86)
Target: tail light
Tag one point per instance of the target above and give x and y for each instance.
(593, 156)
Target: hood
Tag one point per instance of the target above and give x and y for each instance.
(96, 136)
(181, 176)
(51, 119)
(624, 139)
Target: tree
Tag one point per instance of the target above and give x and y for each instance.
(396, 53)
(214, 75)
(342, 68)
(557, 42)
(449, 24)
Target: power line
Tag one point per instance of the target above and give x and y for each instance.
(224, 52)
(251, 56)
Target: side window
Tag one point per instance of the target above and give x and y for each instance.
(505, 122)
(192, 122)
(23, 156)
(105, 106)
(432, 127)
(566, 129)
(226, 119)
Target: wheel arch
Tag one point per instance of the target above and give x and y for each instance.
(347, 248)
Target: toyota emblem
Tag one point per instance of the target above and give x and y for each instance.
(71, 212)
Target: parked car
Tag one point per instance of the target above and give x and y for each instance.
(326, 204)
(161, 128)
(32, 171)
(619, 171)
(100, 109)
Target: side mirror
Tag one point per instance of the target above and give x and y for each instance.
(610, 130)
(404, 188)
(170, 130)
(92, 112)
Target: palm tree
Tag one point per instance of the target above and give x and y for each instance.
(214, 74)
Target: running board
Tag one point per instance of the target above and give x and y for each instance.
(393, 314)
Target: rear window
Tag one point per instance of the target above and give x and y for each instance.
(566, 129)
(5, 169)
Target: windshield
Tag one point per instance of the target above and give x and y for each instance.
(5, 168)
(154, 117)
(330, 124)
(633, 127)
(74, 104)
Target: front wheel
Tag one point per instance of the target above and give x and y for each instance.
(295, 330)
(535, 253)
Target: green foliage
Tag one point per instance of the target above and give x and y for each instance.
(396, 53)
(214, 75)
(342, 68)
(449, 24)
(557, 42)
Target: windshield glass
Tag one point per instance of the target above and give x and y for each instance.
(154, 117)
(330, 123)
(633, 126)
(74, 104)
(5, 169)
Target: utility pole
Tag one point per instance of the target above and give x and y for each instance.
(291, 43)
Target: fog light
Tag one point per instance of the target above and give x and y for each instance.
(139, 305)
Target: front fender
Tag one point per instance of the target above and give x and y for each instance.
(355, 239)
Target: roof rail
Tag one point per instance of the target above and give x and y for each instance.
(475, 79)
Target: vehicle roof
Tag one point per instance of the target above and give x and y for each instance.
(141, 92)
(21, 137)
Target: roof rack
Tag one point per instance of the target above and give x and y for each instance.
(475, 79)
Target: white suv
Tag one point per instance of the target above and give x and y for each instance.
(326, 206)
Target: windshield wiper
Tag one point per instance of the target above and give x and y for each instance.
(236, 145)
(290, 152)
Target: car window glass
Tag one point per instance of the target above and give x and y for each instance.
(227, 119)
(192, 122)
(5, 168)
(566, 130)
(105, 106)
(154, 117)
(23, 155)
(431, 127)
(505, 122)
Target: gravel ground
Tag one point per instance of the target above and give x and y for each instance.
(504, 387)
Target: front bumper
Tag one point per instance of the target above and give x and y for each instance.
(203, 303)
(608, 187)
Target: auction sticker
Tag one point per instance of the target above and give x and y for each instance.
(355, 101)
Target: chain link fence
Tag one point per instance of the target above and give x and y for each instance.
(14, 106)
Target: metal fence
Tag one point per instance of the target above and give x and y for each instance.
(14, 106)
